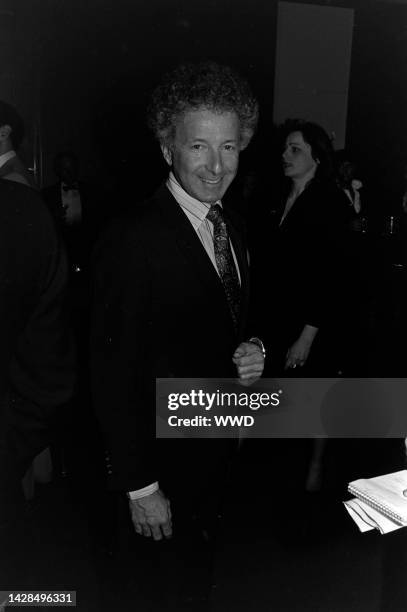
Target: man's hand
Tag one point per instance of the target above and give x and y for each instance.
(249, 361)
(151, 515)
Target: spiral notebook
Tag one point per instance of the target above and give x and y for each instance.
(379, 502)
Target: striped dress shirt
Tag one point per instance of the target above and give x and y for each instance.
(196, 212)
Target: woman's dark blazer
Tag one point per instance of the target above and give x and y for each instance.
(308, 264)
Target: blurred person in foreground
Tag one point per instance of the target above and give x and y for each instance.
(37, 375)
(13, 169)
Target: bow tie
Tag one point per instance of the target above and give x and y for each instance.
(70, 186)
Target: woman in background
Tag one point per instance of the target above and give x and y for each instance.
(306, 321)
(309, 255)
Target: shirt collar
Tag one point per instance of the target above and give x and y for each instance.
(197, 210)
(6, 156)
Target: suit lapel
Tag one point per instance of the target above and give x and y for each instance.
(240, 250)
(15, 166)
(7, 167)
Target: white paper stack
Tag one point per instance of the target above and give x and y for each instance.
(380, 502)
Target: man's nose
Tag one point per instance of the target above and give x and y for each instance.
(214, 162)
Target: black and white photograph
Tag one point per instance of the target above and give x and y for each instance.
(203, 305)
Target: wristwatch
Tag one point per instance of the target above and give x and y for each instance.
(260, 344)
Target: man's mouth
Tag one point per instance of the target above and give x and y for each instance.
(211, 181)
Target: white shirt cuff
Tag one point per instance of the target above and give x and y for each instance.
(139, 493)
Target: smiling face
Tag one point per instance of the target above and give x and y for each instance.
(298, 162)
(204, 154)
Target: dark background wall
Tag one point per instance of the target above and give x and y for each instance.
(83, 70)
(377, 111)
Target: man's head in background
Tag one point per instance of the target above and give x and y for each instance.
(11, 128)
(66, 167)
(203, 115)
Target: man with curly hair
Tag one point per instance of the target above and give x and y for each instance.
(170, 303)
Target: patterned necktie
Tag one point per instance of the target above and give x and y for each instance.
(224, 261)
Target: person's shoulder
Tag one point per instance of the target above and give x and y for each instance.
(139, 215)
(130, 227)
(23, 212)
(324, 185)
(17, 177)
(235, 217)
(331, 203)
(337, 196)
(15, 170)
(325, 191)
(15, 193)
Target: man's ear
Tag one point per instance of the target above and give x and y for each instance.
(167, 153)
(5, 131)
(245, 138)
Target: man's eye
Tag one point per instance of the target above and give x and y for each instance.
(197, 147)
(230, 147)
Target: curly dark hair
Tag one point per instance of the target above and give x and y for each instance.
(204, 85)
(9, 116)
(319, 141)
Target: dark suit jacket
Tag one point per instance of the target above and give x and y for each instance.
(36, 353)
(159, 311)
(14, 170)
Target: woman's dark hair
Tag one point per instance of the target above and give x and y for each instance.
(9, 116)
(319, 141)
(204, 85)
